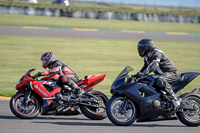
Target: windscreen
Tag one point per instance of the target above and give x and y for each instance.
(126, 70)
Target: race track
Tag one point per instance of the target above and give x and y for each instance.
(80, 124)
(94, 33)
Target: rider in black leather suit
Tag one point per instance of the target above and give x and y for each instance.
(155, 60)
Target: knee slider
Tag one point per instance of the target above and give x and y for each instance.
(64, 79)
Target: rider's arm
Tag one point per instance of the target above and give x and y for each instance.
(145, 65)
(57, 69)
(52, 71)
(154, 62)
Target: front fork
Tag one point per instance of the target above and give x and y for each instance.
(124, 105)
(27, 95)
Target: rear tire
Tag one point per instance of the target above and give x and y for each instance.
(96, 113)
(20, 110)
(190, 117)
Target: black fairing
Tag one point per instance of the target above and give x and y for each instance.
(186, 78)
(143, 95)
(119, 82)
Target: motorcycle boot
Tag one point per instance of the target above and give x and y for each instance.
(175, 100)
(166, 87)
(78, 91)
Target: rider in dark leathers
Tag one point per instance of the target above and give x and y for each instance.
(67, 76)
(155, 60)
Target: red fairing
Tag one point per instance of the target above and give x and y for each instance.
(39, 88)
(27, 79)
(91, 80)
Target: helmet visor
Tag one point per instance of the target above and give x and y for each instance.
(141, 51)
(45, 62)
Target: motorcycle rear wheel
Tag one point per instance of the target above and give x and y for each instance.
(117, 115)
(20, 110)
(190, 117)
(94, 113)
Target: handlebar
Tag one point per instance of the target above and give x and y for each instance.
(133, 76)
(130, 78)
(34, 76)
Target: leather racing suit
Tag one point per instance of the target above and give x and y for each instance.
(158, 62)
(67, 75)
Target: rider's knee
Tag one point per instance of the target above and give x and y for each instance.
(160, 82)
(64, 79)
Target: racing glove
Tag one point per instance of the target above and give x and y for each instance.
(39, 74)
(139, 75)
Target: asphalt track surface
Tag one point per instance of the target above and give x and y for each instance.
(94, 33)
(80, 124)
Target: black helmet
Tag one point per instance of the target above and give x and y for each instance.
(144, 46)
(47, 58)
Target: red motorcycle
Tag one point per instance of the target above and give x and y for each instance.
(44, 96)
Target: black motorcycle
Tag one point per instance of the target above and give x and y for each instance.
(137, 99)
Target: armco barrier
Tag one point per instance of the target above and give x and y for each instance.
(98, 14)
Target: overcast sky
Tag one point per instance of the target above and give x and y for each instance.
(182, 3)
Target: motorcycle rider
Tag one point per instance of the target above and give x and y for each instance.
(67, 78)
(155, 60)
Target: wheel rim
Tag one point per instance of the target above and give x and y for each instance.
(100, 107)
(28, 109)
(126, 115)
(192, 115)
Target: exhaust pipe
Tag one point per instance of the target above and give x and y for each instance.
(63, 109)
(68, 108)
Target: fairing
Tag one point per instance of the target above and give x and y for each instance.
(91, 80)
(24, 80)
(38, 87)
(120, 80)
(186, 78)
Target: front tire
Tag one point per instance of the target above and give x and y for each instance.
(94, 113)
(117, 114)
(190, 117)
(24, 111)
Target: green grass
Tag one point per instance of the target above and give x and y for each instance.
(23, 20)
(86, 56)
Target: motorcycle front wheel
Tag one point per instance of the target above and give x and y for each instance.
(190, 117)
(22, 109)
(121, 111)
